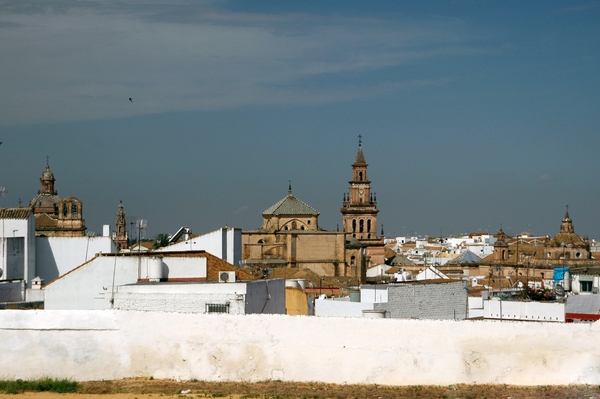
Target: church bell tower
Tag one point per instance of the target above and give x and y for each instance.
(359, 207)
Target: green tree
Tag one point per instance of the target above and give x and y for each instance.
(161, 240)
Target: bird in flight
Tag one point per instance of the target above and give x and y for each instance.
(130, 99)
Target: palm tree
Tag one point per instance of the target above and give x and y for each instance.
(161, 240)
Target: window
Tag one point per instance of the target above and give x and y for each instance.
(352, 260)
(65, 210)
(369, 225)
(586, 286)
(360, 176)
(217, 308)
(353, 225)
(362, 226)
(74, 210)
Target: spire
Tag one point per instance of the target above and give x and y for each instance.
(289, 187)
(360, 158)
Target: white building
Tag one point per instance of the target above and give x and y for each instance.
(55, 256)
(224, 243)
(17, 245)
(89, 285)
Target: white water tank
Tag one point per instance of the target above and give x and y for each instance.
(155, 269)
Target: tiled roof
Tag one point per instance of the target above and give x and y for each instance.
(465, 257)
(290, 205)
(401, 260)
(15, 213)
(45, 220)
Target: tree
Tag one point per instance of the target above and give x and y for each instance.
(161, 240)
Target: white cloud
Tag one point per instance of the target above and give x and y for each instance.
(77, 61)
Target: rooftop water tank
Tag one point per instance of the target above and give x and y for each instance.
(155, 269)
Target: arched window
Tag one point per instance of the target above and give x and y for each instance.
(352, 260)
(362, 226)
(65, 210)
(301, 227)
(360, 176)
(353, 225)
(74, 210)
(369, 225)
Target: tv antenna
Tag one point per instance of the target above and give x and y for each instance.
(141, 225)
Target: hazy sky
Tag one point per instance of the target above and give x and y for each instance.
(474, 114)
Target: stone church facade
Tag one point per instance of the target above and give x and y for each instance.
(290, 237)
(55, 216)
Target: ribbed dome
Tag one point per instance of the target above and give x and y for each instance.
(45, 201)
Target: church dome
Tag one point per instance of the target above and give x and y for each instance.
(567, 237)
(45, 201)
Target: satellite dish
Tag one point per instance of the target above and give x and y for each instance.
(224, 276)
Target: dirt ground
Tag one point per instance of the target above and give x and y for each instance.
(144, 388)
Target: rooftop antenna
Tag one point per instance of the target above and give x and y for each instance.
(141, 225)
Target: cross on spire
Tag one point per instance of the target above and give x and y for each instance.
(359, 139)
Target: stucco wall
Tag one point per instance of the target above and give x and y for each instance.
(95, 345)
(17, 249)
(252, 297)
(340, 308)
(524, 310)
(92, 283)
(56, 256)
(224, 243)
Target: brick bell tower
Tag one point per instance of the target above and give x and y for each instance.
(120, 237)
(359, 207)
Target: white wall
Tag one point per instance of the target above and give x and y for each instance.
(90, 286)
(224, 243)
(340, 308)
(524, 310)
(99, 345)
(56, 256)
(11, 229)
(375, 293)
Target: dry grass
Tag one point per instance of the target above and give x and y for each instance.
(286, 390)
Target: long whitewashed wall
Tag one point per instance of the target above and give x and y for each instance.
(96, 345)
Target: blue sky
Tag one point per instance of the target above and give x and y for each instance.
(474, 114)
